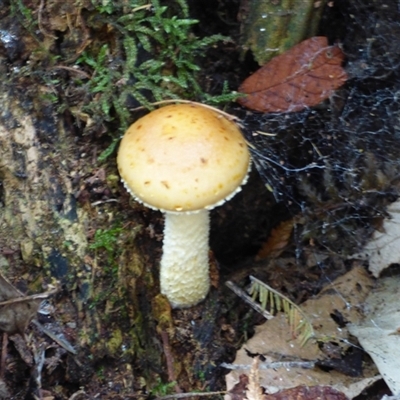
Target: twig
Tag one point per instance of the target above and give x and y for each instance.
(245, 297)
(188, 395)
(76, 394)
(61, 342)
(99, 202)
(263, 133)
(39, 357)
(3, 355)
(169, 359)
(272, 365)
(40, 12)
(145, 7)
(29, 298)
(71, 69)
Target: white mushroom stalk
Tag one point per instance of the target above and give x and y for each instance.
(184, 159)
(184, 262)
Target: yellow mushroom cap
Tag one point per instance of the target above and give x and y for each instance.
(183, 157)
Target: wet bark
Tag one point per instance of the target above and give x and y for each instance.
(46, 230)
(39, 210)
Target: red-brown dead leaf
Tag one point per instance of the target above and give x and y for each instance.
(277, 240)
(302, 77)
(307, 393)
(238, 392)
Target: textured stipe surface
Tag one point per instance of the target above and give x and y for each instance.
(184, 275)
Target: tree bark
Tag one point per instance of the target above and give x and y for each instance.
(44, 231)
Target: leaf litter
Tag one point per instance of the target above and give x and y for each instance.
(17, 311)
(249, 388)
(376, 335)
(370, 314)
(277, 240)
(339, 361)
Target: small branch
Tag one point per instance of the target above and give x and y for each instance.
(145, 7)
(73, 70)
(99, 202)
(61, 342)
(77, 394)
(188, 395)
(245, 297)
(3, 355)
(29, 298)
(169, 359)
(272, 365)
(40, 23)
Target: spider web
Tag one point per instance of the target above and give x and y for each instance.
(338, 164)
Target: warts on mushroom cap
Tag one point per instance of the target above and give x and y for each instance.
(193, 154)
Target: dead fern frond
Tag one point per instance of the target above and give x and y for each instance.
(300, 326)
(254, 390)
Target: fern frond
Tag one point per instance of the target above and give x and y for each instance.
(254, 390)
(299, 324)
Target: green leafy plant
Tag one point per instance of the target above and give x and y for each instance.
(18, 8)
(154, 57)
(162, 389)
(133, 53)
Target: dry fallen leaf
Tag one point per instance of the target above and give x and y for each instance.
(277, 240)
(378, 332)
(238, 391)
(307, 393)
(274, 342)
(15, 317)
(18, 310)
(248, 388)
(302, 77)
(382, 250)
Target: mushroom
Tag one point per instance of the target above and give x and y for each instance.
(184, 160)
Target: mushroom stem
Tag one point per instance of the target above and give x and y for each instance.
(184, 269)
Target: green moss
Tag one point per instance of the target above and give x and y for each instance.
(114, 344)
(161, 388)
(106, 239)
